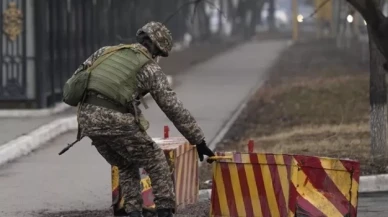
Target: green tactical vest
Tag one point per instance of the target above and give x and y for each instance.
(115, 77)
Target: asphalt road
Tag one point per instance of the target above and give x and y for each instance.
(79, 179)
(373, 205)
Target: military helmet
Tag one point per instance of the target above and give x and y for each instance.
(159, 34)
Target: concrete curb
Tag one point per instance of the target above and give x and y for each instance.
(373, 183)
(22, 113)
(23, 145)
(60, 107)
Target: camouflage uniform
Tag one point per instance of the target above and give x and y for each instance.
(119, 139)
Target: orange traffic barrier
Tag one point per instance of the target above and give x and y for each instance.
(279, 185)
(182, 158)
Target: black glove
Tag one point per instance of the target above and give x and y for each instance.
(202, 150)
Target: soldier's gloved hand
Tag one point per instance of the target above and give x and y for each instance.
(202, 150)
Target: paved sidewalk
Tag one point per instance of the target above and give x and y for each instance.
(80, 179)
(214, 90)
(11, 128)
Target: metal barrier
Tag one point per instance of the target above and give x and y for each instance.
(263, 185)
(182, 158)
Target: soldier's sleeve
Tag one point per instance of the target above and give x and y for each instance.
(155, 81)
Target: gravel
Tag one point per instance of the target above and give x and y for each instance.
(200, 209)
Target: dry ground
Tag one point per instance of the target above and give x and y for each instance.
(315, 102)
(200, 209)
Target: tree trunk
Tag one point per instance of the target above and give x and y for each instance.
(231, 10)
(271, 15)
(260, 7)
(220, 17)
(203, 22)
(378, 102)
(239, 18)
(253, 7)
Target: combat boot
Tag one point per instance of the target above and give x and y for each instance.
(135, 214)
(165, 213)
(149, 213)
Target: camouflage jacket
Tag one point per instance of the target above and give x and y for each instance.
(151, 79)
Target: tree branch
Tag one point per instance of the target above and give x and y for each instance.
(196, 4)
(318, 8)
(376, 21)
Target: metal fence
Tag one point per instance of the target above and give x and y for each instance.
(13, 59)
(43, 41)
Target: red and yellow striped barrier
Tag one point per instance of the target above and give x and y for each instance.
(278, 185)
(182, 158)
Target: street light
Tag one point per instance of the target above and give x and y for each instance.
(300, 18)
(349, 18)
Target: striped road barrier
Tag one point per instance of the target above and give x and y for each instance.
(262, 184)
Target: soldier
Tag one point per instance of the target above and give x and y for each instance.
(109, 115)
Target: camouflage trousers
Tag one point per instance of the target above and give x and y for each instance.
(129, 148)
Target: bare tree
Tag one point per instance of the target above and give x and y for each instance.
(260, 7)
(255, 7)
(378, 102)
(378, 46)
